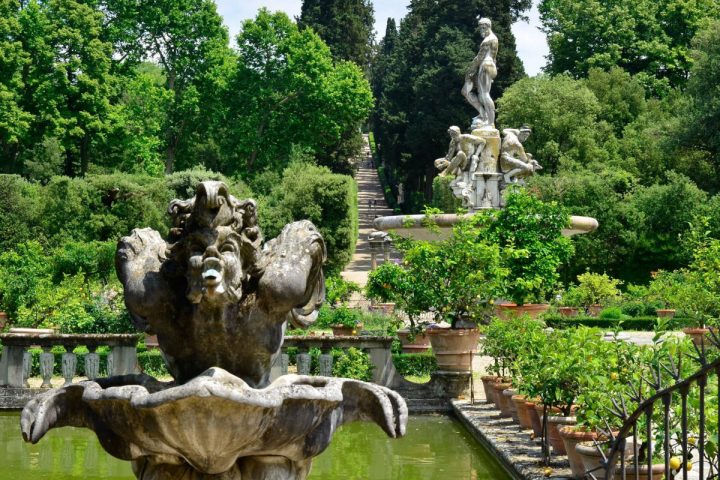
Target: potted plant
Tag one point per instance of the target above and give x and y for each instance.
(345, 322)
(454, 279)
(592, 291)
(530, 233)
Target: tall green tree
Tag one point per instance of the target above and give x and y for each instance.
(345, 25)
(188, 40)
(647, 37)
(286, 94)
(420, 95)
(14, 120)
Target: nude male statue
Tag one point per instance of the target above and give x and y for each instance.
(515, 163)
(463, 147)
(481, 73)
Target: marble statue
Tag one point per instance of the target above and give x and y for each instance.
(515, 163)
(463, 153)
(480, 75)
(219, 301)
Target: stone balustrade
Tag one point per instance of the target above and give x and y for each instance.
(16, 361)
(377, 348)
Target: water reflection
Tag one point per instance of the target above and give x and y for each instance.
(435, 448)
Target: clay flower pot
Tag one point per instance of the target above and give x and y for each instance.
(571, 436)
(454, 347)
(502, 402)
(343, 331)
(420, 343)
(665, 312)
(507, 311)
(509, 393)
(523, 414)
(592, 458)
(697, 335)
(534, 417)
(555, 422)
(488, 381)
(568, 311)
(594, 310)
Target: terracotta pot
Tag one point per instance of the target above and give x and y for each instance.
(384, 308)
(509, 393)
(420, 344)
(594, 310)
(568, 311)
(454, 347)
(534, 419)
(592, 458)
(665, 312)
(571, 436)
(554, 423)
(488, 381)
(3, 320)
(151, 342)
(698, 336)
(523, 414)
(507, 311)
(343, 331)
(502, 402)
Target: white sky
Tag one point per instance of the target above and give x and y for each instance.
(531, 43)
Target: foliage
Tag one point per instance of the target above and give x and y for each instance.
(22, 272)
(592, 289)
(506, 340)
(456, 279)
(338, 290)
(287, 92)
(327, 199)
(645, 37)
(346, 27)
(352, 363)
(443, 197)
(415, 364)
(529, 232)
(611, 313)
(341, 315)
(643, 323)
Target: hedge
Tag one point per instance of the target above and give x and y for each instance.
(646, 324)
(416, 364)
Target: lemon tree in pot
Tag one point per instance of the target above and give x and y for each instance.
(529, 233)
(454, 279)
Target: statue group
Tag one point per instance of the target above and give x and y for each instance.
(482, 164)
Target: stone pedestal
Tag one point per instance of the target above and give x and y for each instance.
(487, 190)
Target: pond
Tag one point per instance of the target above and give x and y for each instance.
(435, 447)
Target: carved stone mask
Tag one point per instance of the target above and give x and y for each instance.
(214, 268)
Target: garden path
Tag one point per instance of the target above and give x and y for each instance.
(369, 192)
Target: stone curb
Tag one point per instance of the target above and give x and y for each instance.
(518, 455)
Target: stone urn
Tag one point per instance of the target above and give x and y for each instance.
(665, 312)
(506, 311)
(454, 348)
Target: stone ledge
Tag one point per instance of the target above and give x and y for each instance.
(517, 453)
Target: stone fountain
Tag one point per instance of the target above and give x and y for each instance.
(219, 300)
(482, 165)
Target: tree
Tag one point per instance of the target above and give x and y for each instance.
(14, 120)
(650, 38)
(420, 94)
(188, 40)
(285, 94)
(345, 25)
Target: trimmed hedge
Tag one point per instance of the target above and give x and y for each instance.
(416, 364)
(646, 324)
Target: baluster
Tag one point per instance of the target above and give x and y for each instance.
(110, 364)
(69, 365)
(303, 362)
(326, 363)
(284, 362)
(684, 427)
(47, 365)
(27, 365)
(648, 433)
(666, 413)
(702, 381)
(92, 363)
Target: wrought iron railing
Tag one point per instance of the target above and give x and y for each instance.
(652, 426)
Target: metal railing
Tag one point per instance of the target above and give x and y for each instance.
(654, 421)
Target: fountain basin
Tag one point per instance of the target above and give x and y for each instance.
(414, 226)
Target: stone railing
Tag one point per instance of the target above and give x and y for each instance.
(16, 361)
(377, 348)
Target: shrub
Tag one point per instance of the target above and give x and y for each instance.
(416, 364)
(339, 290)
(443, 197)
(592, 288)
(645, 324)
(21, 272)
(613, 313)
(352, 363)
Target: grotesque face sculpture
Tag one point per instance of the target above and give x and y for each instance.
(214, 265)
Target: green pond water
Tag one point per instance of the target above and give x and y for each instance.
(435, 447)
